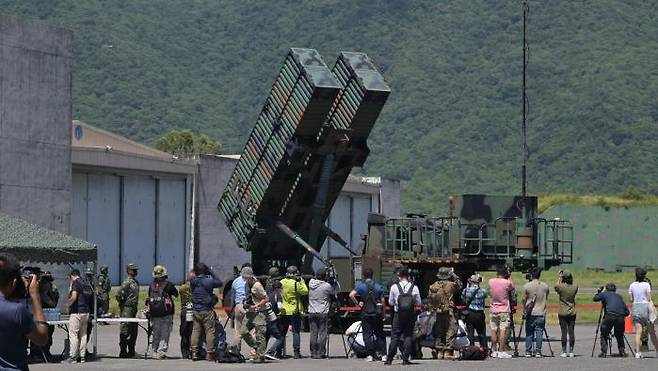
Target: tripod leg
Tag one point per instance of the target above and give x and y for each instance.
(548, 340)
(598, 326)
(630, 347)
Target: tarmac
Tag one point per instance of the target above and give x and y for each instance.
(109, 335)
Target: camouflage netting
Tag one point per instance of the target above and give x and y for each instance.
(30, 242)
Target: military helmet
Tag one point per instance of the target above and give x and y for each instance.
(132, 267)
(89, 271)
(273, 272)
(46, 274)
(105, 269)
(159, 271)
(444, 273)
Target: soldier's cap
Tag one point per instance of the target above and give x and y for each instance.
(105, 268)
(159, 271)
(247, 272)
(89, 271)
(132, 267)
(444, 273)
(566, 274)
(273, 272)
(292, 270)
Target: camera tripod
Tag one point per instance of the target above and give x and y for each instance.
(608, 338)
(342, 333)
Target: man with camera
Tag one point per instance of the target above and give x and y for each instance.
(474, 296)
(128, 297)
(567, 291)
(320, 296)
(80, 303)
(49, 299)
(441, 295)
(371, 300)
(293, 288)
(160, 304)
(254, 319)
(17, 323)
(404, 297)
(534, 299)
(615, 312)
(203, 302)
(500, 309)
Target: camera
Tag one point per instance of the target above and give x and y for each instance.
(598, 291)
(27, 272)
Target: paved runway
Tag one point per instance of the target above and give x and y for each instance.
(109, 334)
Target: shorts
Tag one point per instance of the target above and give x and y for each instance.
(641, 313)
(499, 321)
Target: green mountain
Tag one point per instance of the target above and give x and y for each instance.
(452, 124)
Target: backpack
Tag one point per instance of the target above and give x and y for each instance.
(472, 353)
(88, 295)
(160, 303)
(370, 302)
(406, 302)
(228, 355)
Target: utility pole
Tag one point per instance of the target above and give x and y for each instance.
(524, 99)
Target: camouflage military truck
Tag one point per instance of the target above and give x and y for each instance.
(479, 233)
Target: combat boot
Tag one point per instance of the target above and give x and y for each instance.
(131, 351)
(122, 349)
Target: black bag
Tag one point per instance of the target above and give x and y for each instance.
(160, 303)
(229, 355)
(472, 353)
(88, 295)
(370, 302)
(529, 306)
(406, 302)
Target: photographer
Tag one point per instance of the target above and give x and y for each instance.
(49, 299)
(567, 292)
(17, 323)
(474, 297)
(320, 296)
(293, 288)
(640, 292)
(254, 319)
(500, 311)
(371, 300)
(615, 312)
(535, 298)
(203, 301)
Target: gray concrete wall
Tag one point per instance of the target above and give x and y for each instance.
(216, 247)
(35, 122)
(390, 197)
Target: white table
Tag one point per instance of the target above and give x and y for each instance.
(143, 323)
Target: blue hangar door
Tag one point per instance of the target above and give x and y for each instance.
(138, 225)
(171, 223)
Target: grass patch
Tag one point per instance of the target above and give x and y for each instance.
(630, 198)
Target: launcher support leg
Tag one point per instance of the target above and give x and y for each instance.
(294, 236)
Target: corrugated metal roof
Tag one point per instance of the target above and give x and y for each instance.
(30, 242)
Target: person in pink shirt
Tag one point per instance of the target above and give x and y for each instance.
(500, 288)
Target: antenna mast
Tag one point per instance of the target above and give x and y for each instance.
(524, 99)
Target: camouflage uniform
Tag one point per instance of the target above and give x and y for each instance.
(128, 297)
(104, 285)
(185, 293)
(441, 296)
(256, 321)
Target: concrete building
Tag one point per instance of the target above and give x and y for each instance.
(35, 117)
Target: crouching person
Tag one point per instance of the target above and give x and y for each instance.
(255, 319)
(615, 311)
(203, 301)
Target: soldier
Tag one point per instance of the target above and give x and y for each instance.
(89, 275)
(104, 285)
(272, 277)
(441, 295)
(128, 297)
(185, 293)
(49, 298)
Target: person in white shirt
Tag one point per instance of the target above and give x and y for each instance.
(643, 310)
(404, 297)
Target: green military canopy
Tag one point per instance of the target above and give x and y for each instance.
(30, 242)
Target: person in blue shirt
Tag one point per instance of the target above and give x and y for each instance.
(203, 302)
(17, 322)
(474, 296)
(238, 288)
(369, 295)
(615, 313)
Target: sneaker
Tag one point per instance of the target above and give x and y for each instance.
(271, 357)
(623, 354)
(494, 354)
(638, 355)
(602, 355)
(571, 355)
(369, 359)
(563, 354)
(384, 359)
(528, 355)
(82, 360)
(538, 355)
(70, 360)
(504, 355)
